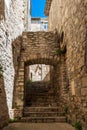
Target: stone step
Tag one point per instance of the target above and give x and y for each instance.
(40, 94)
(42, 109)
(61, 119)
(40, 99)
(41, 104)
(37, 90)
(42, 114)
(36, 87)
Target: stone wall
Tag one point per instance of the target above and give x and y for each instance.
(39, 45)
(10, 27)
(47, 77)
(70, 18)
(2, 11)
(3, 105)
(47, 8)
(36, 48)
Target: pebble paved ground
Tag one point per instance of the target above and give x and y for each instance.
(39, 126)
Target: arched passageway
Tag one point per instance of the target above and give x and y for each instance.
(40, 90)
(37, 85)
(36, 94)
(35, 48)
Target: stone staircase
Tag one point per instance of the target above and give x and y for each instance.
(41, 101)
(42, 115)
(41, 105)
(39, 94)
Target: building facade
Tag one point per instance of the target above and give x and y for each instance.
(13, 21)
(69, 20)
(39, 24)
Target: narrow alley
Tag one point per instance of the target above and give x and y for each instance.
(39, 126)
(43, 64)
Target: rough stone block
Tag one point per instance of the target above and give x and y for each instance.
(3, 105)
(84, 81)
(83, 91)
(73, 87)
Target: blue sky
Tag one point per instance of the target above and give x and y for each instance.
(37, 8)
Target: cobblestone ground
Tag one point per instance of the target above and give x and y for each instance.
(39, 126)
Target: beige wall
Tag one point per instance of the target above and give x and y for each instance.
(70, 17)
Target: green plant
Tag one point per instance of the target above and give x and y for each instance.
(68, 120)
(11, 120)
(48, 82)
(60, 51)
(1, 71)
(65, 109)
(78, 125)
(28, 83)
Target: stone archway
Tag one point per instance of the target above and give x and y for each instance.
(53, 74)
(19, 94)
(35, 48)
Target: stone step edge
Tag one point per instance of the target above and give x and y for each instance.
(45, 112)
(57, 117)
(41, 107)
(43, 119)
(40, 113)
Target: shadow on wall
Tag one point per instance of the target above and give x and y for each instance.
(4, 118)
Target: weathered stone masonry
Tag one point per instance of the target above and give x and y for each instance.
(69, 70)
(70, 17)
(3, 105)
(12, 24)
(36, 48)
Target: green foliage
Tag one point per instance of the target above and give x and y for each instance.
(48, 82)
(68, 120)
(11, 120)
(78, 125)
(1, 71)
(65, 109)
(60, 52)
(28, 83)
